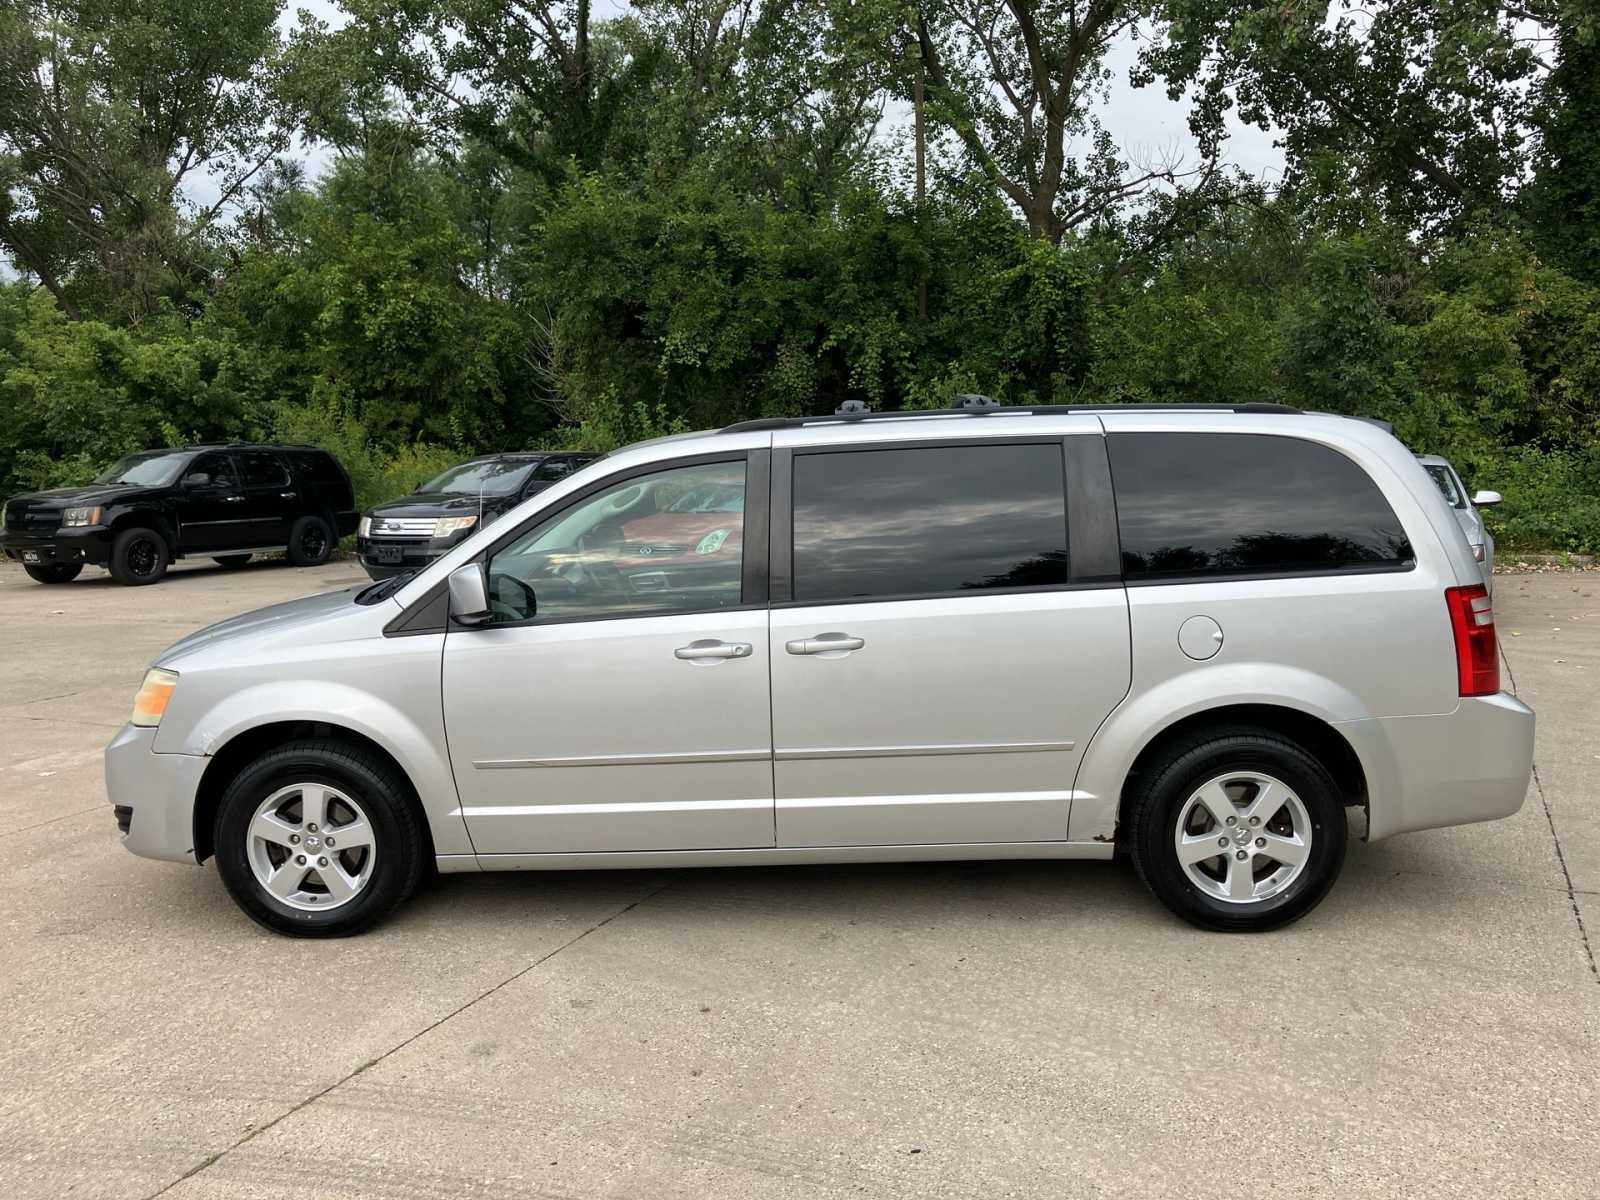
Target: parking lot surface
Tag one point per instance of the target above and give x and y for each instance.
(954, 1030)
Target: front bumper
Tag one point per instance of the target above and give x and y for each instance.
(89, 544)
(1429, 772)
(154, 793)
(386, 556)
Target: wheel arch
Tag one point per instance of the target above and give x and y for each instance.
(1317, 737)
(144, 518)
(1304, 707)
(249, 744)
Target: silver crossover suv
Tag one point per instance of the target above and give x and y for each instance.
(1199, 635)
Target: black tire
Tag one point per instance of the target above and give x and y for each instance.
(310, 542)
(231, 560)
(139, 556)
(1163, 791)
(53, 572)
(397, 841)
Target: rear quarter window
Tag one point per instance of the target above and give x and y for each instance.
(322, 470)
(1221, 504)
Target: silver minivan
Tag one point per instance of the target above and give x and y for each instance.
(1199, 637)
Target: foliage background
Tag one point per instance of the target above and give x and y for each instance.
(539, 226)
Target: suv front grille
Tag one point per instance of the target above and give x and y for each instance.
(32, 521)
(403, 526)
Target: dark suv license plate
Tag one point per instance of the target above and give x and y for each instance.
(31, 556)
(387, 554)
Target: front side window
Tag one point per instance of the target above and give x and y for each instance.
(871, 524)
(1200, 504)
(554, 468)
(631, 550)
(217, 466)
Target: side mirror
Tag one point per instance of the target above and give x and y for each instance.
(1482, 499)
(195, 482)
(469, 595)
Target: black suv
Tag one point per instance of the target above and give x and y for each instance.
(222, 502)
(403, 535)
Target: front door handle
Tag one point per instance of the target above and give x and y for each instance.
(287, 495)
(825, 643)
(712, 648)
(233, 499)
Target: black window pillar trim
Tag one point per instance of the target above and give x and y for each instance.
(757, 504)
(1094, 552)
(781, 523)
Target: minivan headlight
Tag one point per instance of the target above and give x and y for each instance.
(81, 516)
(153, 695)
(446, 526)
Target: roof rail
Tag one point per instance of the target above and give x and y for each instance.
(985, 406)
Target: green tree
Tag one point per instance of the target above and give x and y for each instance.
(128, 131)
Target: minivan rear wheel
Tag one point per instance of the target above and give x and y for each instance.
(1237, 830)
(318, 839)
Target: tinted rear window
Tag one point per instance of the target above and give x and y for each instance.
(879, 523)
(261, 468)
(1246, 504)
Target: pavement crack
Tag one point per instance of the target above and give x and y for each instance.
(212, 1159)
(1561, 858)
(82, 812)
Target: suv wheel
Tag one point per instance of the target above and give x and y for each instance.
(316, 839)
(139, 556)
(1238, 830)
(231, 560)
(310, 542)
(53, 572)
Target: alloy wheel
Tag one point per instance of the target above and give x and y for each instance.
(312, 541)
(311, 847)
(143, 557)
(1243, 837)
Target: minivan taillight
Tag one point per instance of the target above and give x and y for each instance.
(1477, 655)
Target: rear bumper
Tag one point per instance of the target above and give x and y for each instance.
(89, 544)
(154, 794)
(1428, 772)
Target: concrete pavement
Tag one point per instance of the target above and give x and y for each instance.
(952, 1030)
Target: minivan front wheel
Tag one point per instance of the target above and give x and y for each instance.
(317, 839)
(1238, 830)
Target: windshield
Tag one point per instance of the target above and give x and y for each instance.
(153, 468)
(1445, 480)
(496, 477)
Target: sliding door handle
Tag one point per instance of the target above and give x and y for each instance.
(825, 643)
(711, 648)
